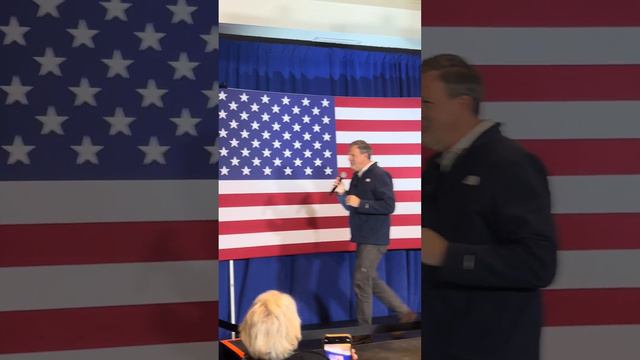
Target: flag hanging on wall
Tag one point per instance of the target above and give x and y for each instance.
(279, 154)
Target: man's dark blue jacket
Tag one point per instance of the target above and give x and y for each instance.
(370, 222)
(493, 206)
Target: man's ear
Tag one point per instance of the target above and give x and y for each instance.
(467, 102)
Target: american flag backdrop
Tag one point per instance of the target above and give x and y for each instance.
(108, 179)
(279, 154)
(562, 77)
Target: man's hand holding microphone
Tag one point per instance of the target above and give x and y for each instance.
(338, 188)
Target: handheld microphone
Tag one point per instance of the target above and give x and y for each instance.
(342, 176)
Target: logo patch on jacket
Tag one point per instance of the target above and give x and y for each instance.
(471, 180)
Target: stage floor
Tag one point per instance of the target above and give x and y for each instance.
(404, 349)
(383, 347)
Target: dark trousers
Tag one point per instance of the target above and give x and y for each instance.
(367, 283)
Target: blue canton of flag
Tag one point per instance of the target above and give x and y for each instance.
(266, 135)
(108, 90)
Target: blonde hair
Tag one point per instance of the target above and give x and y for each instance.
(271, 329)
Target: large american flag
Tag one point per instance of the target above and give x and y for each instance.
(279, 154)
(108, 123)
(562, 76)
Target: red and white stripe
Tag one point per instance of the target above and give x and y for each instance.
(108, 269)
(270, 218)
(562, 77)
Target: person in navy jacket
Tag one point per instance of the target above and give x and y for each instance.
(370, 202)
(488, 235)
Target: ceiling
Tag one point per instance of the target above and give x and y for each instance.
(358, 22)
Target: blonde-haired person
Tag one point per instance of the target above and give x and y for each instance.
(271, 329)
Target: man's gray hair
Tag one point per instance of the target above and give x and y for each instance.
(363, 146)
(459, 77)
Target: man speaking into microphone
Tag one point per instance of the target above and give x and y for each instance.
(370, 203)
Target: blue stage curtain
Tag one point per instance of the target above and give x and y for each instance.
(320, 283)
